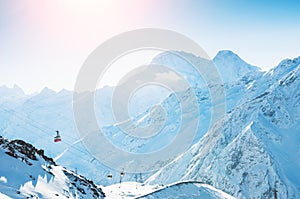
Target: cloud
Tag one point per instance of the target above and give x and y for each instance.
(167, 76)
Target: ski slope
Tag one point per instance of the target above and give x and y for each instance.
(183, 190)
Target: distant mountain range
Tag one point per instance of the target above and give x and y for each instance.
(252, 150)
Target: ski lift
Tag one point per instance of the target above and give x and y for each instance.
(57, 138)
(109, 176)
(122, 173)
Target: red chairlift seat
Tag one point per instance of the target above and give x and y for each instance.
(57, 138)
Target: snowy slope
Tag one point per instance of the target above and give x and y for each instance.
(187, 190)
(35, 118)
(255, 148)
(262, 107)
(242, 74)
(184, 189)
(231, 67)
(26, 172)
(128, 190)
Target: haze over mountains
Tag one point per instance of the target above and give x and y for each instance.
(251, 150)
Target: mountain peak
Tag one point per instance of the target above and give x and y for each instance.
(229, 55)
(14, 87)
(287, 64)
(12, 92)
(231, 67)
(3, 87)
(284, 67)
(18, 89)
(47, 90)
(226, 53)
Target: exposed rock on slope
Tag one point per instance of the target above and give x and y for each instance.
(29, 173)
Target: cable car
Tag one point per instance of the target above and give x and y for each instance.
(57, 138)
(122, 173)
(109, 176)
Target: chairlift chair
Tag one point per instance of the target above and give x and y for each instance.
(109, 176)
(122, 173)
(57, 138)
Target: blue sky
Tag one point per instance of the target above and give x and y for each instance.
(44, 43)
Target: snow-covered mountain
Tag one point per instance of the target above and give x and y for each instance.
(254, 149)
(35, 119)
(232, 67)
(25, 172)
(14, 94)
(234, 72)
(247, 153)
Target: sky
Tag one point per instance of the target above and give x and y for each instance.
(44, 43)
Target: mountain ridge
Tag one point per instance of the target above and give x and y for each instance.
(252, 107)
(220, 53)
(29, 173)
(247, 145)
